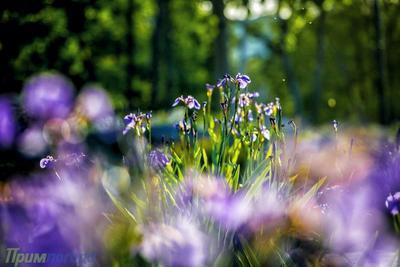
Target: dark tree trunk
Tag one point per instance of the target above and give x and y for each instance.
(162, 56)
(130, 51)
(220, 47)
(380, 77)
(319, 62)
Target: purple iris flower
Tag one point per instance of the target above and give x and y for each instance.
(48, 96)
(244, 100)
(265, 109)
(393, 203)
(225, 80)
(189, 101)
(157, 159)
(136, 121)
(7, 123)
(243, 80)
(269, 109)
(149, 115)
(209, 86)
(253, 95)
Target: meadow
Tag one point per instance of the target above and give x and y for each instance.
(218, 180)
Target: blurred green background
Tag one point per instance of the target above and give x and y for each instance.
(325, 59)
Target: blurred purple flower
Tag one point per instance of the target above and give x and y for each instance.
(7, 123)
(31, 142)
(95, 103)
(51, 216)
(244, 100)
(225, 80)
(269, 109)
(393, 203)
(265, 132)
(157, 159)
(48, 96)
(265, 109)
(149, 115)
(189, 101)
(268, 210)
(385, 176)
(242, 80)
(180, 244)
(230, 210)
(349, 218)
(66, 160)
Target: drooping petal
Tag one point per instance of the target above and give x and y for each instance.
(177, 100)
(129, 118)
(221, 83)
(196, 104)
(245, 78)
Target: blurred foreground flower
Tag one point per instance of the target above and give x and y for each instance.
(31, 142)
(48, 96)
(7, 123)
(56, 216)
(393, 203)
(157, 159)
(181, 244)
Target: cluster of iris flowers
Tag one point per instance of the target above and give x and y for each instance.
(236, 187)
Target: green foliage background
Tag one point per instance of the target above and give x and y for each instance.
(331, 48)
